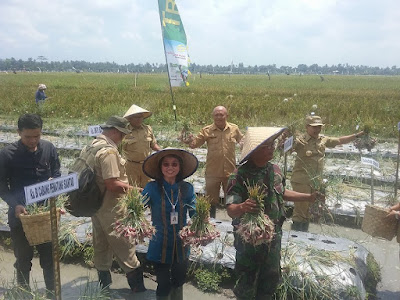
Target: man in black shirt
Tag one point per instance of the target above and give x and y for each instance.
(27, 161)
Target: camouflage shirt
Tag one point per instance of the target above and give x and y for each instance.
(270, 176)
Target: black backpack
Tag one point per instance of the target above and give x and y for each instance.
(88, 198)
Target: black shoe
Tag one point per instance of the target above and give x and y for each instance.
(23, 280)
(48, 275)
(135, 280)
(104, 279)
(300, 226)
(213, 211)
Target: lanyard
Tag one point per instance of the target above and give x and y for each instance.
(169, 199)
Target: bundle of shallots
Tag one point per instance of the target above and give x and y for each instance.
(256, 228)
(365, 141)
(318, 209)
(200, 231)
(133, 225)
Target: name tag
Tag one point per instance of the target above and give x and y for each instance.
(174, 218)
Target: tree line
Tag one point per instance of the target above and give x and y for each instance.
(41, 64)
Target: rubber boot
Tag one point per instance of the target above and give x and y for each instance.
(104, 279)
(23, 279)
(177, 293)
(48, 275)
(305, 226)
(135, 280)
(213, 211)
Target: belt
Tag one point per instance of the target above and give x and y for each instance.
(136, 162)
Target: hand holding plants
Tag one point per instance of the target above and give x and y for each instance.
(20, 210)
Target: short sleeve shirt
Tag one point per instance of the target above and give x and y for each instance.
(137, 145)
(221, 159)
(309, 162)
(109, 164)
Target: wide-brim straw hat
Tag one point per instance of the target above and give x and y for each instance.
(134, 109)
(151, 164)
(257, 136)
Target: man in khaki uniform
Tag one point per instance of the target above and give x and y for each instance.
(111, 178)
(309, 165)
(221, 138)
(138, 144)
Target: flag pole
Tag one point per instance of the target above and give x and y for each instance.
(170, 88)
(169, 79)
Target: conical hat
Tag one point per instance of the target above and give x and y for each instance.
(151, 164)
(255, 137)
(134, 109)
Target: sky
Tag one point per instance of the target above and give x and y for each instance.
(252, 32)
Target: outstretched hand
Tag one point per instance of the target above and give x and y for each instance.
(317, 196)
(186, 140)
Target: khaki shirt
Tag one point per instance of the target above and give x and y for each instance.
(309, 162)
(137, 145)
(109, 164)
(221, 160)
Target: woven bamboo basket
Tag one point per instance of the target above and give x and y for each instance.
(376, 224)
(37, 227)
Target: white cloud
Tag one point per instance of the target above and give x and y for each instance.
(282, 32)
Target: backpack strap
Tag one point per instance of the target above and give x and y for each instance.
(93, 150)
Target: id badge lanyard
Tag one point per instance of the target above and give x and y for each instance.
(174, 213)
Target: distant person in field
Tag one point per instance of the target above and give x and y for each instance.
(138, 145)
(221, 138)
(40, 95)
(309, 164)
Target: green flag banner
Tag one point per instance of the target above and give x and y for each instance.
(175, 43)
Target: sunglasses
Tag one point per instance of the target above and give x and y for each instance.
(166, 165)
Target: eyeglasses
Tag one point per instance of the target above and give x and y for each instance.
(166, 165)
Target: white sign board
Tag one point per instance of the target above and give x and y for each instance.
(95, 130)
(398, 126)
(370, 161)
(51, 188)
(288, 144)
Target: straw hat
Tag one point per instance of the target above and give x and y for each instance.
(255, 137)
(117, 123)
(151, 164)
(314, 121)
(134, 109)
(42, 86)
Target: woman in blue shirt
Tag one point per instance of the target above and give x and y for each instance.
(170, 200)
(40, 96)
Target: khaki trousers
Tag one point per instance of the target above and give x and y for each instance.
(106, 245)
(213, 185)
(301, 211)
(135, 174)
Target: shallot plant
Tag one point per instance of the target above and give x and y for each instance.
(256, 228)
(133, 225)
(199, 231)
